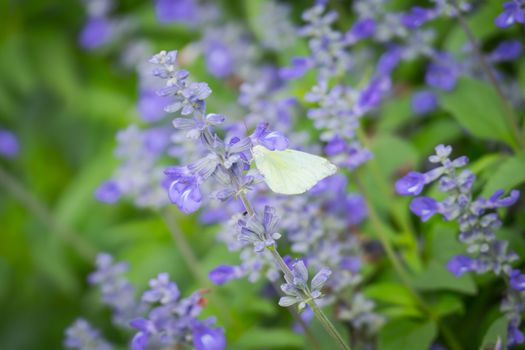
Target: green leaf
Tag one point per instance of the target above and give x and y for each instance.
(478, 24)
(497, 331)
(406, 334)
(390, 292)
(447, 304)
(441, 131)
(391, 152)
(509, 174)
(260, 338)
(476, 106)
(437, 277)
(395, 113)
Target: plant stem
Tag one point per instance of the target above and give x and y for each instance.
(45, 216)
(510, 116)
(327, 324)
(406, 227)
(298, 319)
(379, 227)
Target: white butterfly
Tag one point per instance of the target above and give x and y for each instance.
(290, 171)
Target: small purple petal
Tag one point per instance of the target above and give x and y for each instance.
(411, 184)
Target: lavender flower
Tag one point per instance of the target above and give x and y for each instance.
(296, 289)
(477, 225)
(117, 292)
(424, 102)
(9, 146)
(513, 13)
(96, 33)
(172, 321)
(82, 336)
(261, 234)
(184, 11)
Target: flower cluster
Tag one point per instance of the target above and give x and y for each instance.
(161, 318)
(477, 222)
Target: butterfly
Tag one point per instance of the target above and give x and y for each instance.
(290, 171)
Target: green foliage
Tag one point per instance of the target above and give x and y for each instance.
(476, 106)
(407, 334)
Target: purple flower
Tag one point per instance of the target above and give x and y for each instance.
(460, 264)
(372, 95)
(389, 60)
(424, 207)
(81, 335)
(205, 338)
(512, 13)
(162, 290)
(108, 192)
(514, 335)
(361, 29)
(176, 11)
(96, 33)
(183, 189)
(424, 102)
(517, 280)
(495, 201)
(300, 65)
(273, 140)
(411, 184)
(442, 72)
(507, 50)
(151, 106)
(9, 146)
(219, 59)
(223, 274)
(417, 16)
(335, 146)
(140, 340)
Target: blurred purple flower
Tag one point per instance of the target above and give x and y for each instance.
(361, 29)
(299, 67)
(442, 73)
(206, 338)
(273, 140)
(417, 16)
(176, 11)
(224, 273)
(108, 192)
(9, 146)
(150, 106)
(513, 13)
(461, 264)
(96, 33)
(424, 102)
(424, 207)
(507, 50)
(219, 59)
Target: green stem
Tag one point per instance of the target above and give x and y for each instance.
(311, 337)
(404, 276)
(387, 192)
(510, 116)
(327, 324)
(45, 216)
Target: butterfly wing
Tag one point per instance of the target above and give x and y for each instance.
(290, 171)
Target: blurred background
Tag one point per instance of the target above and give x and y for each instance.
(66, 102)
